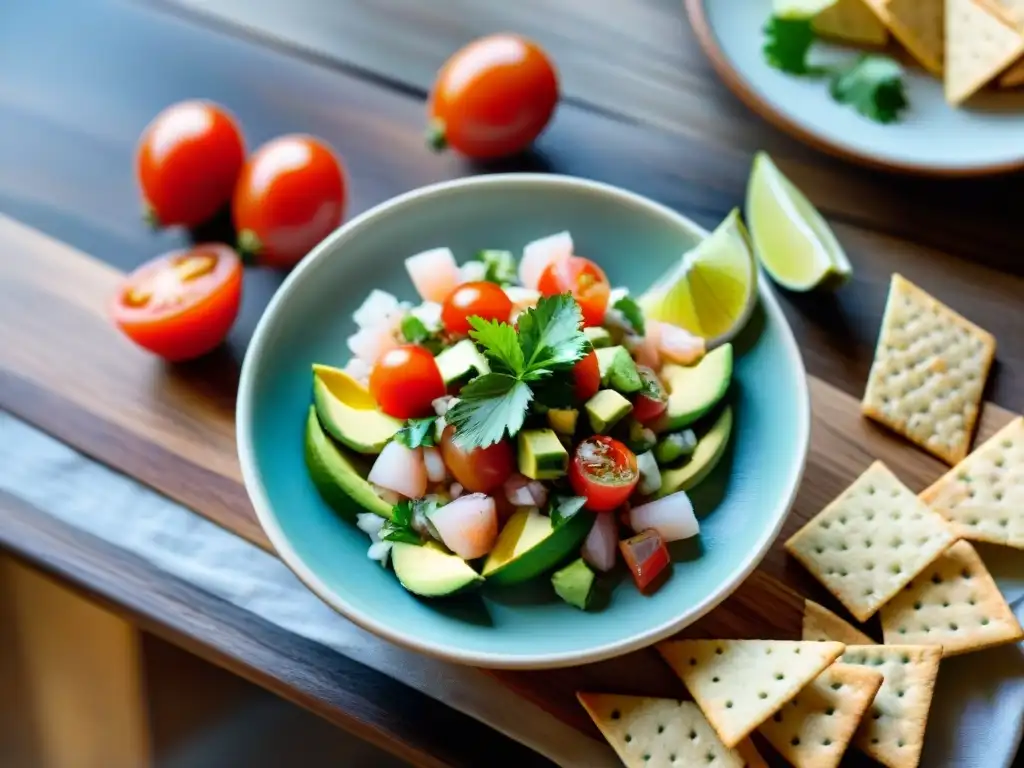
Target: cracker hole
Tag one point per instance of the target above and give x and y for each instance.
(1007, 444)
(779, 676)
(953, 626)
(616, 714)
(998, 495)
(826, 524)
(1004, 522)
(715, 679)
(917, 606)
(728, 705)
(629, 738)
(1000, 462)
(905, 659)
(693, 735)
(819, 550)
(868, 543)
(661, 729)
(876, 715)
(874, 740)
(836, 686)
(936, 578)
(879, 661)
(896, 568)
(925, 628)
(719, 651)
(896, 543)
(870, 566)
(896, 515)
(830, 711)
(693, 662)
(842, 572)
(903, 630)
(795, 741)
(984, 622)
(871, 490)
(777, 717)
(646, 756)
(945, 603)
(869, 591)
(796, 651)
(971, 601)
(899, 742)
(762, 695)
(711, 757)
(826, 742)
(966, 574)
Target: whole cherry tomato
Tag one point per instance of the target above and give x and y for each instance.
(652, 400)
(479, 470)
(492, 98)
(586, 377)
(405, 381)
(483, 299)
(187, 162)
(604, 471)
(584, 280)
(182, 304)
(290, 196)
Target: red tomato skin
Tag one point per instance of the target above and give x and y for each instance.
(582, 278)
(481, 299)
(493, 97)
(195, 327)
(405, 381)
(187, 161)
(604, 497)
(586, 377)
(290, 195)
(647, 409)
(647, 572)
(478, 470)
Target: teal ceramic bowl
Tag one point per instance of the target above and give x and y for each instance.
(742, 505)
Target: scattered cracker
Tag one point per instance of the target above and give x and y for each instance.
(658, 733)
(815, 728)
(954, 603)
(920, 26)
(739, 684)
(1013, 77)
(980, 44)
(892, 731)
(929, 371)
(871, 541)
(853, 22)
(821, 624)
(751, 757)
(983, 495)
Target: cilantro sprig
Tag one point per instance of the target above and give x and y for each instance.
(631, 311)
(787, 44)
(417, 433)
(500, 266)
(415, 331)
(399, 527)
(548, 340)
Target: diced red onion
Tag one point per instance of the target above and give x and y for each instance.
(671, 516)
(601, 546)
(401, 470)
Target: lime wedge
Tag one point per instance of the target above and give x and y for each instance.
(713, 290)
(792, 240)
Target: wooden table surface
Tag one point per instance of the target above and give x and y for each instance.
(79, 79)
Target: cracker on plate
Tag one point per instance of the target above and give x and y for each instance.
(821, 624)
(955, 604)
(851, 21)
(929, 372)
(920, 26)
(739, 684)
(870, 541)
(982, 40)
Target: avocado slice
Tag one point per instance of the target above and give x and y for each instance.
(530, 544)
(597, 336)
(429, 570)
(618, 370)
(709, 451)
(606, 409)
(348, 411)
(541, 454)
(694, 390)
(337, 479)
(563, 420)
(574, 584)
(461, 362)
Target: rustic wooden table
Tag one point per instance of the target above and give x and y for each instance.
(641, 108)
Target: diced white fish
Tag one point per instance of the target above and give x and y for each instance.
(368, 344)
(428, 313)
(401, 470)
(441, 404)
(369, 523)
(436, 470)
(376, 309)
(472, 272)
(677, 345)
(456, 490)
(359, 370)
(517, 491)
(434, 273)
(650, 474)
(379, 551)
(468, 526)
(601, 546)
(671, 516)
(538, 254)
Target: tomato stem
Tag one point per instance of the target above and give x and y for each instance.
(436, 139)
(249, 246)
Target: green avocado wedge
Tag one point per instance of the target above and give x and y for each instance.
(574, 584)
(430, 571)
(348, 411)
(336, 478)
(530, 545)
(709, 451)
(694, 390)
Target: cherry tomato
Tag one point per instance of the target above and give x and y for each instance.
(492, 98)
(187, 162)
(652, 400)
(182, 304)
(584, 280)
(586, 377)
(479, 470)
(604, 470)
(290, 196)
(405, 381)
(482, 299)
(646, 557)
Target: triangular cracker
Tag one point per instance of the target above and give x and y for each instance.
(739, 684)
(955, 604)
(657, 733)
(980, 44)
(853, 22)
(920, 26)
(871, 541)
(1013, 77)
(821, 624)
(929, 372)
(892, 731)
(814, 729)
(983, 495)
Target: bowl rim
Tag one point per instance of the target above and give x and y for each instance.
(448, 652)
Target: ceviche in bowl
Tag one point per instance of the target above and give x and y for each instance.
(552, 458)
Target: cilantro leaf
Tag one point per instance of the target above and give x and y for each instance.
(632, 312)
(565, 507)
(417, 432)
(500, 266)
(489, 407)
(414, 330)
(553, 392)
(550, 335)
(873, 85)
(401, 514)
(500, 344)
(788, 43)
(406, 535)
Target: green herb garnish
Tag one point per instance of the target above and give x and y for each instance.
(417, 432)
(399, 527)
(416, 332)
(873, 85)
(500, 266)
(632, 312)
(788, 43)
(564, 508)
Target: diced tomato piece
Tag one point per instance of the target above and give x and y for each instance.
(479, 470)
(582, 278)
(651, 401)
(646, 557)
(586, 377)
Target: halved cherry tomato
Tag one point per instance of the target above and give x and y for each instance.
(652, 400)
(646, 557)
(483, 299)
(479, 470)
(182, 304)
(604, 470)
(405, 381)
(584, 280)
(492, 98)
(188, 161)
(290, 196)
(586, 377)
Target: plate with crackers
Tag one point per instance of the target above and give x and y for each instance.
(932, 87)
